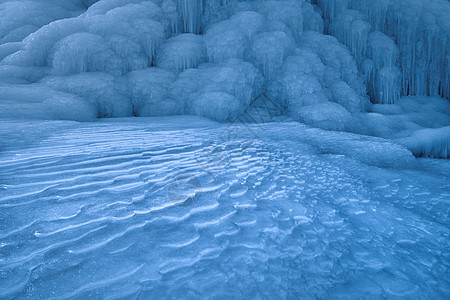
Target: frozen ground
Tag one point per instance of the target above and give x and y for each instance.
(185, 207)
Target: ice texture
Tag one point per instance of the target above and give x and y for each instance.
(176, 207)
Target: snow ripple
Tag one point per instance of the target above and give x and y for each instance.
(128, 209)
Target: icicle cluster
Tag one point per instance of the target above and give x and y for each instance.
(419, 28)
(211, 58)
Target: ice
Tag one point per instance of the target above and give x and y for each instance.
(234, 77)
(352, 30)
(102, 90)
(23, 75)
(268, 51)
(229, 38)
(288, 13)
(430, 142)
(277, 153)
(337, 59)
(300, 80)
(325, 115)
(181, 208)
(37, 102)
(217, 106)
(419, 28)
(191, 15)
(84, 52)
(181, 52)
(37, 46)
(141, 23)
(388, 85)
(382, 50)
(312, 19)
(159, 57)
(331, 8)
(347, 97)
(149, 91)
(21, 18)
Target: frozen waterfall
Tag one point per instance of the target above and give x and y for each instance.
(123, 58)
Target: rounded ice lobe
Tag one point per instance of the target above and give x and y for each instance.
(149, 92)
(268, 51)
(37, 46)
(99, 89)
(347, 97)
(37, 102)
(285, 12)
(84, 52)
(218, 106)
(325, 115)
(181, 52)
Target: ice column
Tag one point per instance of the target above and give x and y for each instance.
(191, 12)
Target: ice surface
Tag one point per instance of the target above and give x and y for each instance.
(183, 209)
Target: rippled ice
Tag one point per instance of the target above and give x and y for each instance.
(186, 208)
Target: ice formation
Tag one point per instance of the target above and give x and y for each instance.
(285, 149)
(163, 57)
(419, 28)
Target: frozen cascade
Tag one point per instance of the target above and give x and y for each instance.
(162, 57)
(421, 30)
(191, 12)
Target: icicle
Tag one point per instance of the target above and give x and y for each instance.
(388, 85)
(350, 29)
(191, 14)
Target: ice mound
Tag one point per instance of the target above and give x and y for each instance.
(119, 41)
(149, 92)
(234, 77)
(181, 52)
(429, 142)
(21, 18)
(229, 38)
(268, 51)
(21, 75)
(35, 102)
(102, 90)
(84, 52)
(326, 115)
(419, 123)
(218, 106)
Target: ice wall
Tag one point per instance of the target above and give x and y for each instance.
(419, 28)
(211, 58)
(216, 58)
